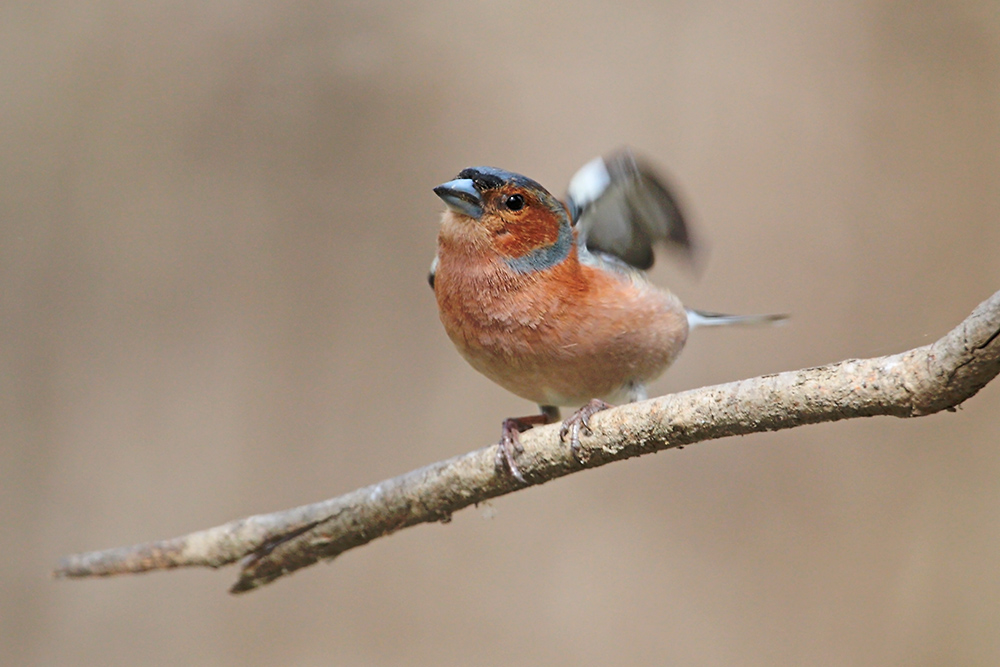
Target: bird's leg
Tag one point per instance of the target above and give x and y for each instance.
(510, 440)
(581, 419)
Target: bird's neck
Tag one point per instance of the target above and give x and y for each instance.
(485, 275)
(541, 257)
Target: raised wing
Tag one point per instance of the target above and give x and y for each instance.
(622, 207)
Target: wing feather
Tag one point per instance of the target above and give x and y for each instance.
(622, 207)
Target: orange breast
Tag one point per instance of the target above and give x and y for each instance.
(560, 336)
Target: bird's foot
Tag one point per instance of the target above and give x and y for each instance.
(509, 447)
(581, 420)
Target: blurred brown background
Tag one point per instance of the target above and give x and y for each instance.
(216, 224)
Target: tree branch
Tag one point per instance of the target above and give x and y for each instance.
(919, 382)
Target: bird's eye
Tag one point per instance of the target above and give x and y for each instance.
(514, 202)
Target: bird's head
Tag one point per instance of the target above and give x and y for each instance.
(492, 210)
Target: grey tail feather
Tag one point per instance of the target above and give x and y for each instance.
(701, 318)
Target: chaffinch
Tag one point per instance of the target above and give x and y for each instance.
(550, 300)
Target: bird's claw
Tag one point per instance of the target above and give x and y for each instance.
(509, 448)
(581, 420)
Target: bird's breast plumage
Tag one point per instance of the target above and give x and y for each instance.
(558, 336)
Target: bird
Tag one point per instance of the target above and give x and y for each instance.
(550, 299)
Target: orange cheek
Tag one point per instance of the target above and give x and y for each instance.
(526, 235)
